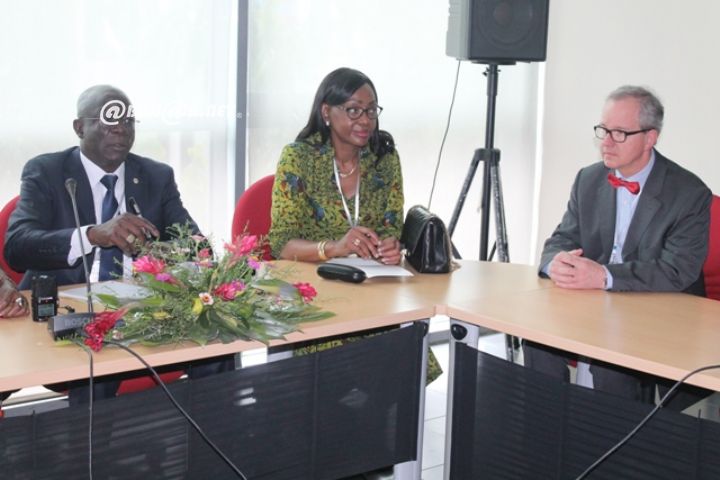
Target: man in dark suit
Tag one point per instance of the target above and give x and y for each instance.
(42, 237)
(635, 222)
(112, 184)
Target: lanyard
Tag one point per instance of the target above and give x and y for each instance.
(353, 223)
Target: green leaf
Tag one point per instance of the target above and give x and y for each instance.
(161, 286)
(109, 300)
(152, 302)
(271, 285)
(226, 321)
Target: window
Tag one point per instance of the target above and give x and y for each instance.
(176, 60)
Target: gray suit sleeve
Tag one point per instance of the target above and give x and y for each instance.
(681, 251)
(566, 235)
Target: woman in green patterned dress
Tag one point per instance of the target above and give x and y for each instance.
(338, 187)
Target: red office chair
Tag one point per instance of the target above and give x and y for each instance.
(139, 384)
(4, 217)
(711, 268)
(252, 212)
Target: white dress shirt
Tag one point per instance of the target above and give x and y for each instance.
(626, 203)
(95, 174)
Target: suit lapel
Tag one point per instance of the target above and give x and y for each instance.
(83, 194)
(647, 207)
(134, 187)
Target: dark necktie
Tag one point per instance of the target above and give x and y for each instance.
(110, 258)
(633, 187)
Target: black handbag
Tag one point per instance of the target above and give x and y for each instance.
(426, 241)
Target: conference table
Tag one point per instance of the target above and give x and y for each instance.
(29, 357)
(664, 334)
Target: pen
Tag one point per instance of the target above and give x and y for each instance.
(136, 209)
(134, 205)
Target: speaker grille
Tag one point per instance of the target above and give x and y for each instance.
(500, 31)
(506, 23)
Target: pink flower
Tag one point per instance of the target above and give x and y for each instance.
(242, 245)
(148, 264)
(306, 290)
(228, 291)
(100, 326)
(164, 277)
(253, 263)
(204, 253)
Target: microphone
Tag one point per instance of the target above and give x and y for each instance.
(62, 326)
(71, 187)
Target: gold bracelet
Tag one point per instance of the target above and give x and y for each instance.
(321, 250)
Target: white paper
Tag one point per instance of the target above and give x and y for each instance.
(372, 268)
(113, 287)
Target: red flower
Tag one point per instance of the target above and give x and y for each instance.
(242, 245)
(98, 328)
(204, 253)
(228, 291)
(307, 291)
(148, 264)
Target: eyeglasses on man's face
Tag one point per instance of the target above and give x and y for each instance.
(104, 122)
(618, 136)
(356, 112)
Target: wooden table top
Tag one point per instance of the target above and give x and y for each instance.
(664, 334)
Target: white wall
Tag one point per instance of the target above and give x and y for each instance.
(668, 45)
(593, 47)
(400, 45)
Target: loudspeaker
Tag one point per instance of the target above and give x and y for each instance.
(498, 31)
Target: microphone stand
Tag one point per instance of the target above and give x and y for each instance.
(71, 185)
(491, 186)
(63, 326)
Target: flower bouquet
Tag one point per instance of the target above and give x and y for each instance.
(192, 295)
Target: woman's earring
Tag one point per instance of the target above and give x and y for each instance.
(327, 123)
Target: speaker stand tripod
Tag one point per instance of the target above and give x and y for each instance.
(491, 188)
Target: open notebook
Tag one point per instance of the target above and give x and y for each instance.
(113, 287)
(373, 268)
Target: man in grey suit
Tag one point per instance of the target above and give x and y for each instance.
(635, 222)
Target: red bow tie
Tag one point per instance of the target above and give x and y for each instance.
(633, 187)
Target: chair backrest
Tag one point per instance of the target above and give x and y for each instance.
(4, 218)
(252, 212)
(711, 268)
